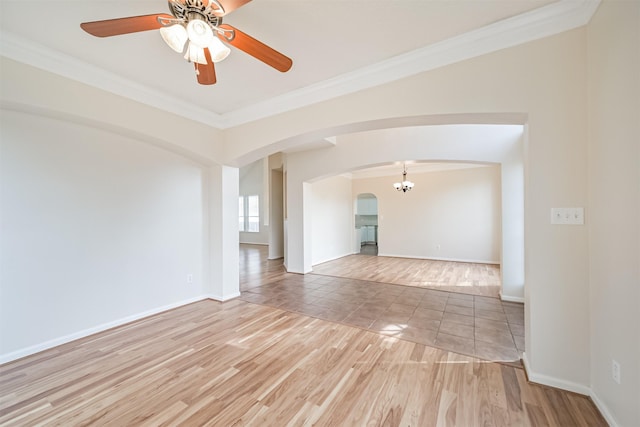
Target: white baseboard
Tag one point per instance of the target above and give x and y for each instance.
(511, 299)
(27, 351)
(475, 261)
(223, 298)
(298, 272)
(331, 259)
(604, 410)
(570, 386)
(553, 382)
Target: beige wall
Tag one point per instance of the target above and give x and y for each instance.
(25, 88)
(450, 215)
(332, 219)
(614, 206)
(97, 229)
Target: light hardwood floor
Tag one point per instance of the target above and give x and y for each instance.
(238, 363)
(461, 277)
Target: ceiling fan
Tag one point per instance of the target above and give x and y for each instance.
(195, 27)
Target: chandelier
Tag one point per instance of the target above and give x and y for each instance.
(405, 185)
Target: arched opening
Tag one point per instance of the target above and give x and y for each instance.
(323, 188)
(366, 223)
(500, 145)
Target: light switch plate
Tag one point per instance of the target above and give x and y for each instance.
(567, 216)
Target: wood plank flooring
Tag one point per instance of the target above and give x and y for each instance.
(243, 364)
(237, 363)
(461, 277)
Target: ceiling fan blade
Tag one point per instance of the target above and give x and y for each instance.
(257, 49)
(231, 5)
(132, 24)
(206, 74)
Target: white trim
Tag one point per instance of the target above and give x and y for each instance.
(253, 243)
(27, 351)
(39, 56)
(222, 298)
(543, 22)
(511, 298)
(333, 259)
(570, 386)
(299, 272)
(84, 121)
(555, 18)
(475, 261)
(552, 381)
(604, 410)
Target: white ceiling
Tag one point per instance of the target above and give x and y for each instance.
(337, 46)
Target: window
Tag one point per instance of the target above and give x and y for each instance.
(249, 213)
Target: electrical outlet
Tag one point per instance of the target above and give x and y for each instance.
(615, 371)
(189, 278)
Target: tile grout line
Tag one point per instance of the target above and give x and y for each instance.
(362, 300)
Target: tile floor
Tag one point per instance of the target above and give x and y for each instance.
(480, 326)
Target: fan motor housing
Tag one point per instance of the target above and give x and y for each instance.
(196, 9)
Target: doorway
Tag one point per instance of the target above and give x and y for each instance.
(366, 222)
(276, 214)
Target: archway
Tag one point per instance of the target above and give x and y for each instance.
(496, 144)
(366, 224)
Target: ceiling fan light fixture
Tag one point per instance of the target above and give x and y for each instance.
(219, 50)
(195, 30)
(175, 36)
(200, 33)
(195, 54)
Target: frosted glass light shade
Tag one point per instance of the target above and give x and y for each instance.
(195, 54)
(200, 33)
(175, 36)
(218, 50)
(403, 186)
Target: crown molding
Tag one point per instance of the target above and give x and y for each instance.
(39, 56)
(546, 21)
